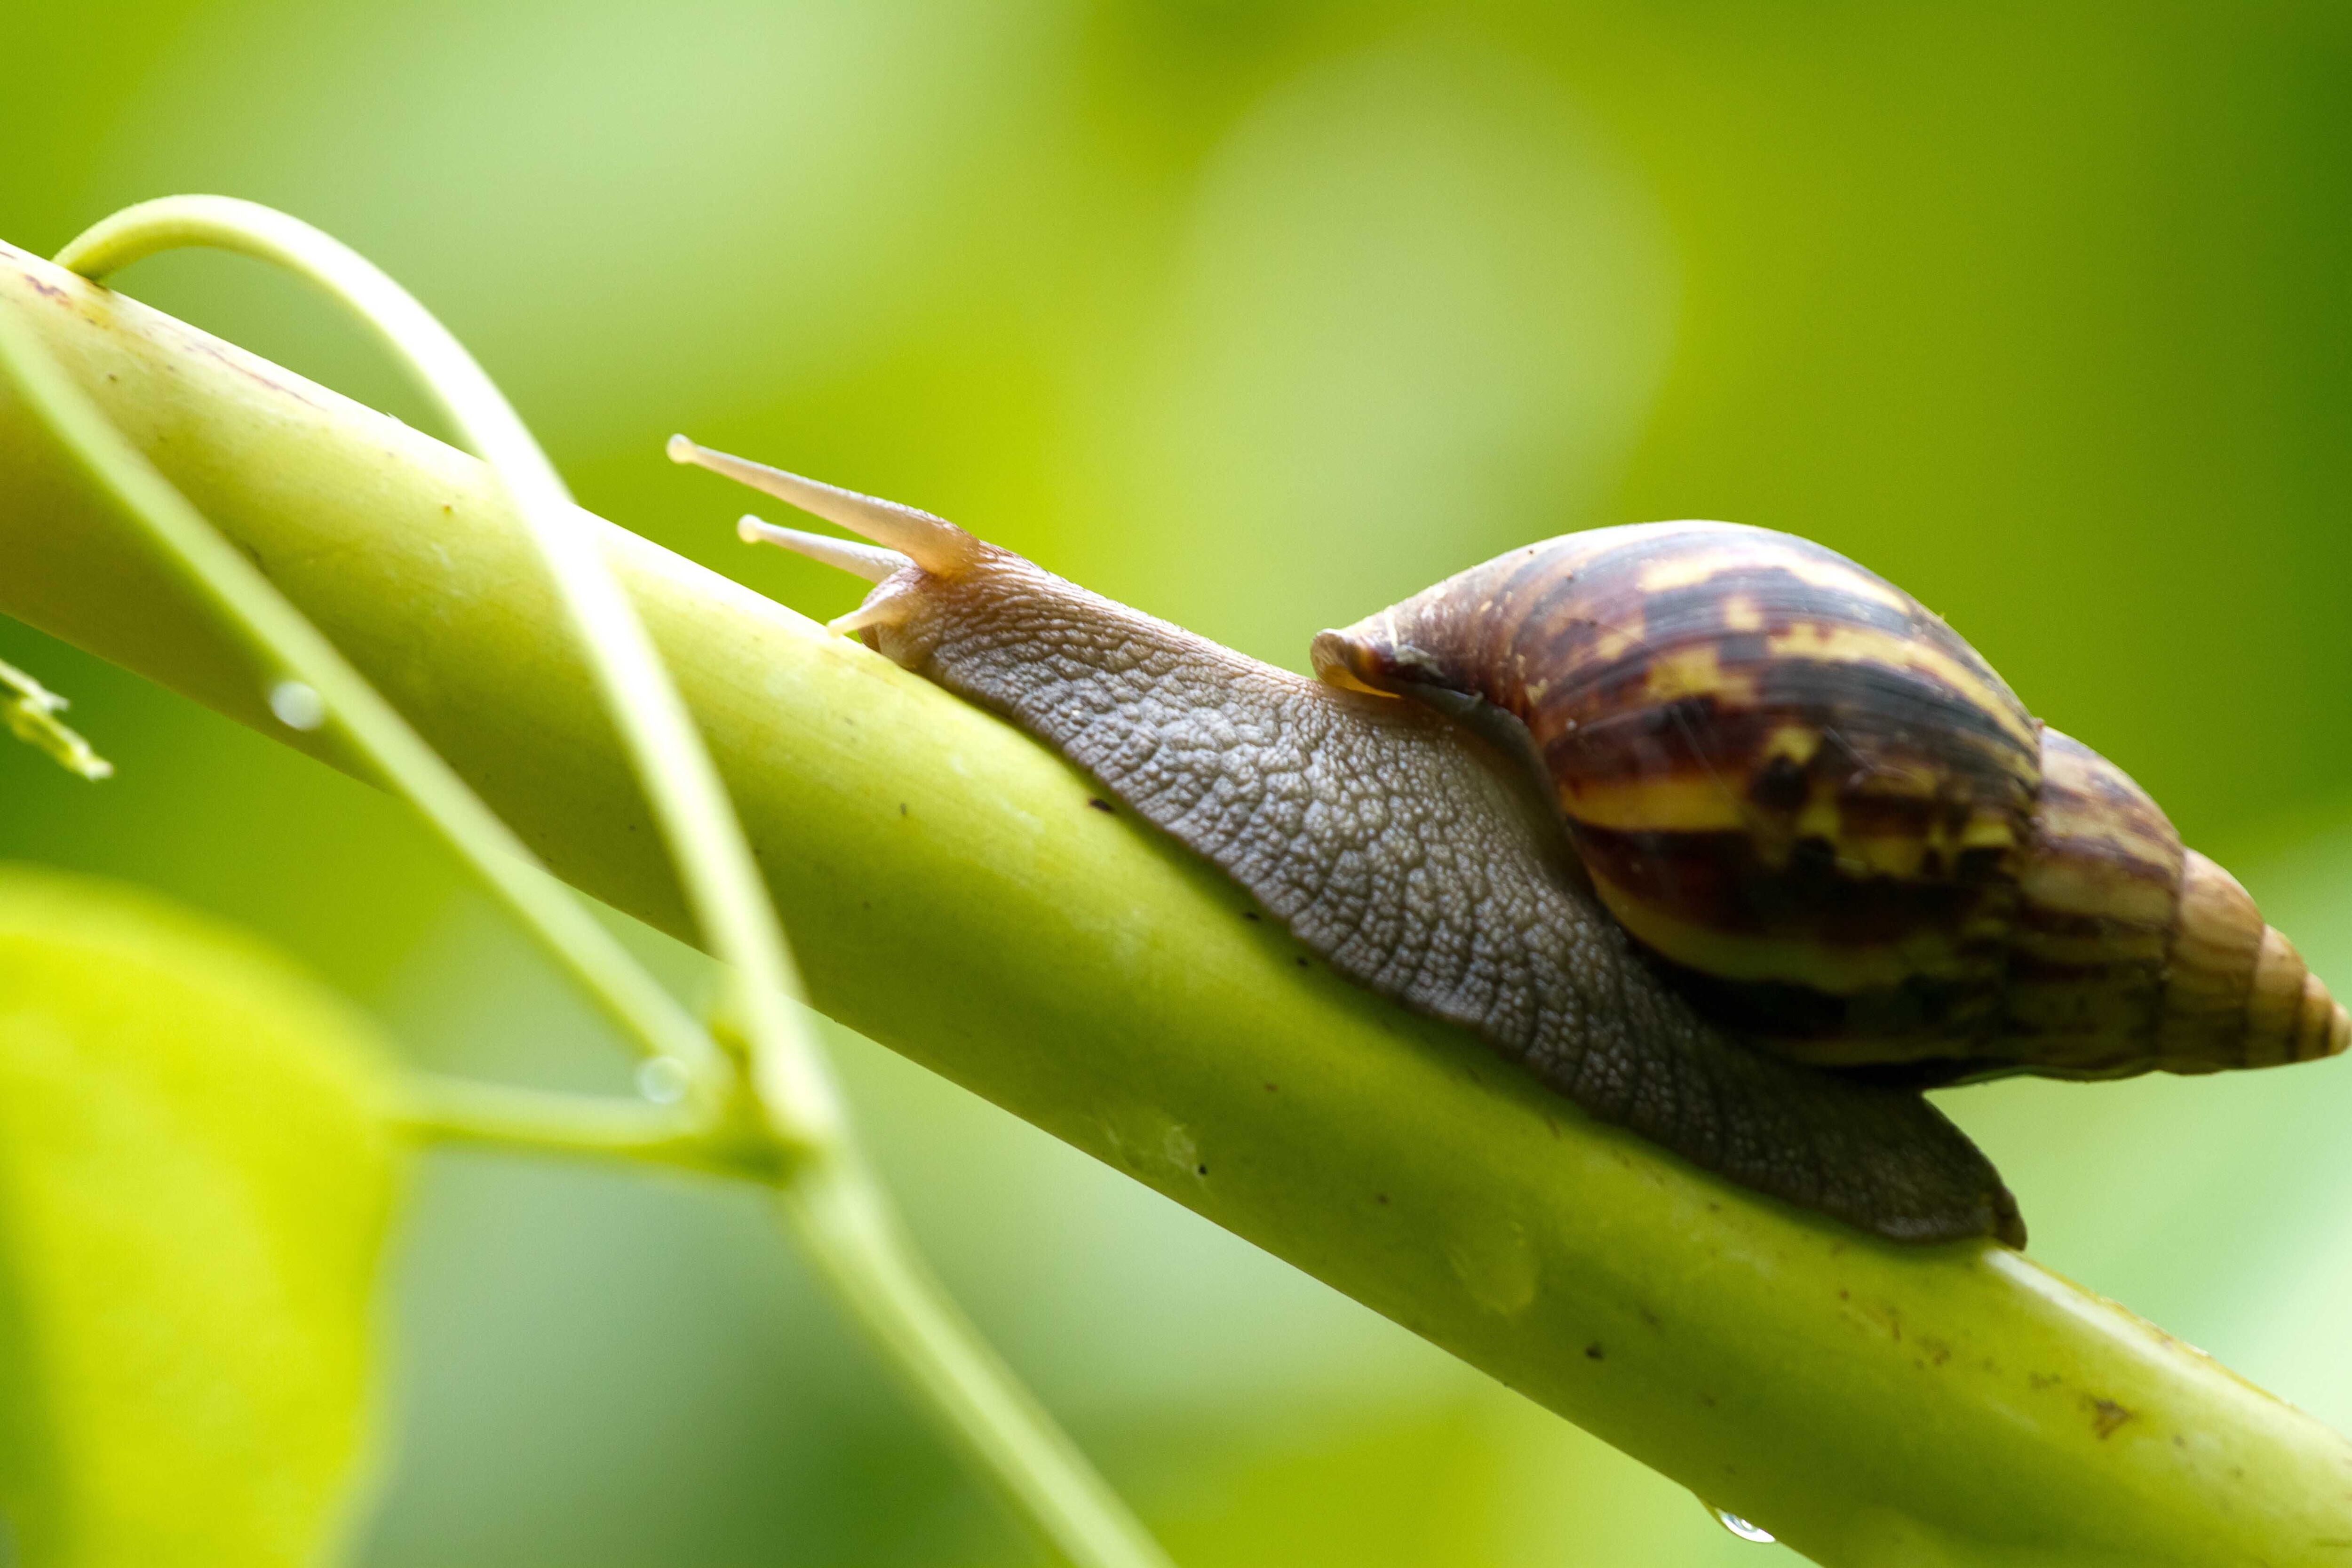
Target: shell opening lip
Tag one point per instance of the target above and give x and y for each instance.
(931, 542)
(1344, 661)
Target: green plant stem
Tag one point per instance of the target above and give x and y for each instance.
(251, 609)
(837, 1213)
(672, 764)
(955, 896)
(862, 1252)
(881, 1281)
(1061, 1496)
(497, 1116)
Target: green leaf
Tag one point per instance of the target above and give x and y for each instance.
(195, 1176)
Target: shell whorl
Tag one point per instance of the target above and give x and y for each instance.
(1803, 791)
(2131, 953)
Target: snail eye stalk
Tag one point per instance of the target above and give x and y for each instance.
(931, 542)
(870, 562)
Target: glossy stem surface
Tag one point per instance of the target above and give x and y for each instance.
(956, 897)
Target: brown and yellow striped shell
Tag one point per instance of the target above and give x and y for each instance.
(1802, 791)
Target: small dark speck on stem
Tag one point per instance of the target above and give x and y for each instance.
(902, 808)
(1249, 914)
(1200, 1169)
(1592, 1352)
(2106, 1415)
(1381, 1198)
(1102, 805)
(1302, 964)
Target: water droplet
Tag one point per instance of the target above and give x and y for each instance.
(1740, 1527)
(1493, 1258)
(297, 706)
(661, 1079)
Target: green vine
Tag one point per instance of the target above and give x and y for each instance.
(765, 1109)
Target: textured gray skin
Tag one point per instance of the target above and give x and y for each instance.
(1422, 864)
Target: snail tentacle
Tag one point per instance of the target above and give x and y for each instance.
(880, 611)
(870, 562)
(931, 542)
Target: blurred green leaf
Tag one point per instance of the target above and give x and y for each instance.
(195, 1181)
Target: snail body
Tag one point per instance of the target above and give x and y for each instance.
(1463, 851)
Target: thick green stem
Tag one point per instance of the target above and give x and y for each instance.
(956, 898)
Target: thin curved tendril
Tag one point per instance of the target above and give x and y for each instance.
(250, 601)
(697, 822)
(868, 1261)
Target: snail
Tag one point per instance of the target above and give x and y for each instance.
(1720, 835)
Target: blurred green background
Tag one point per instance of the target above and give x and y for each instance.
(1260, 316)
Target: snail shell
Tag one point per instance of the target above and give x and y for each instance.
(1821, 808)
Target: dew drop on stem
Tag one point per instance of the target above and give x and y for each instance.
(661, 1079)
(1736, 1525)
(297, 706)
